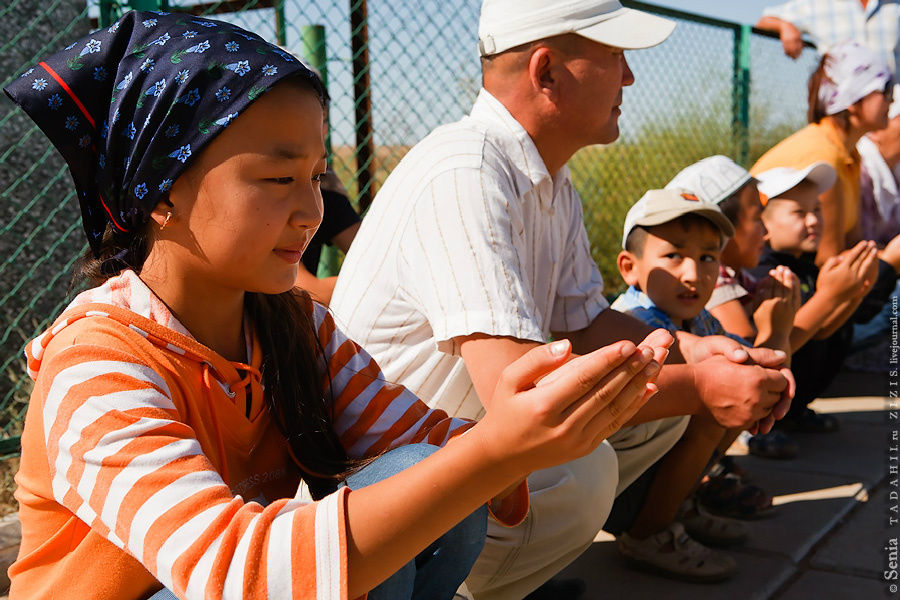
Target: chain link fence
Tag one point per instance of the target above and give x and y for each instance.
(714, 87)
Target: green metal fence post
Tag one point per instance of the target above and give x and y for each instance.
(314, 52)
(280, 30)
(144, 4)
(362, 96)
(740, 123)
(109, 12)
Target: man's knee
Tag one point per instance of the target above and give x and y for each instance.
(583, 495)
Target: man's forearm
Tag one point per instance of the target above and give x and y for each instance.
(677, 395)
(770, 24)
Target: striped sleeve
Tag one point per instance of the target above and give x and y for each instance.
(123, 462)
(797, 12)
(372, 415)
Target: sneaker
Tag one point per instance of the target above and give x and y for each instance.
(708, 528)
(672, 553)
(775, 444)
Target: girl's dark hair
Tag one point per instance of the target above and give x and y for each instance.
(816, 109)
(292, 356)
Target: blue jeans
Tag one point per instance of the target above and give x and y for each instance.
(437, 572)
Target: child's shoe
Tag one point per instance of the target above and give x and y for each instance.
(775, 444)
(708, 528)
(672, 553)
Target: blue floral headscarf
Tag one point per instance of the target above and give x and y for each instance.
(129, 106)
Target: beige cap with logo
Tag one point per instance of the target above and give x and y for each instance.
(661, 206)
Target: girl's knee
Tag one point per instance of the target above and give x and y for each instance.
(390, 463)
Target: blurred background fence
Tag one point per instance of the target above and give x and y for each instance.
(395, 70)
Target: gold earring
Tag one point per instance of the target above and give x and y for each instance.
(166, 222)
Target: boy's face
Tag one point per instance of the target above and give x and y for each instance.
(678, 268)
(793, 220)
(744, 249)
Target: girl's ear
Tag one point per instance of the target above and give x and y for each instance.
(162, 213)
(627, 263)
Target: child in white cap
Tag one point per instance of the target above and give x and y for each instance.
(821, 331)
(849, 96)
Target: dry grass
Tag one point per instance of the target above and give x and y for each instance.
(8, 469)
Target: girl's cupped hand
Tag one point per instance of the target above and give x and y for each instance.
(550, 407)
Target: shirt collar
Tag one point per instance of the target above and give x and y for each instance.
(512, 138)
(635, 297)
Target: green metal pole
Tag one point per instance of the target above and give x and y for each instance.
(362, 97)
(314, 53)
(280, 30)
(144, 4)
(109, 12)
(313, 44)
(740, 123)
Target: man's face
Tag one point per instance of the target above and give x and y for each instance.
(590, 103)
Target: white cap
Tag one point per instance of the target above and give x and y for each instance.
(505, 24)
(661, 206)
(777, 181)
(712, 179)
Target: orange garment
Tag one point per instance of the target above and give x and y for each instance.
(140, 466)
(820, 142)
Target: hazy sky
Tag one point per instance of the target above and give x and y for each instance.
(742, 11)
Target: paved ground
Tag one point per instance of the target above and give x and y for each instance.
(828, 536)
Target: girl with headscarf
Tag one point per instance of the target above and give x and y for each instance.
(849, 96)
(178, 405)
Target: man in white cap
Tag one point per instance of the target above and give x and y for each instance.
(475, 250)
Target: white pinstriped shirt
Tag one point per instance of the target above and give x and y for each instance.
(829, 22)
(470, 233)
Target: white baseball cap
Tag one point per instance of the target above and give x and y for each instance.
(777, 181)
(661, 206)
(712, 179)
(505, 24)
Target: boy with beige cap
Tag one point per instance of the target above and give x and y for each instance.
(474, 251)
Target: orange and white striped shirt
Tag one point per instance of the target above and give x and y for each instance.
(142, 463)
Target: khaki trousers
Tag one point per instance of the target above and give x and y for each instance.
(568, 506)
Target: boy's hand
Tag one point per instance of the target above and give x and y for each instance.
(779, 296)
(891, 253)
(847, 274)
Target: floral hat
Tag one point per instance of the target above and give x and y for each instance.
(130, 105)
